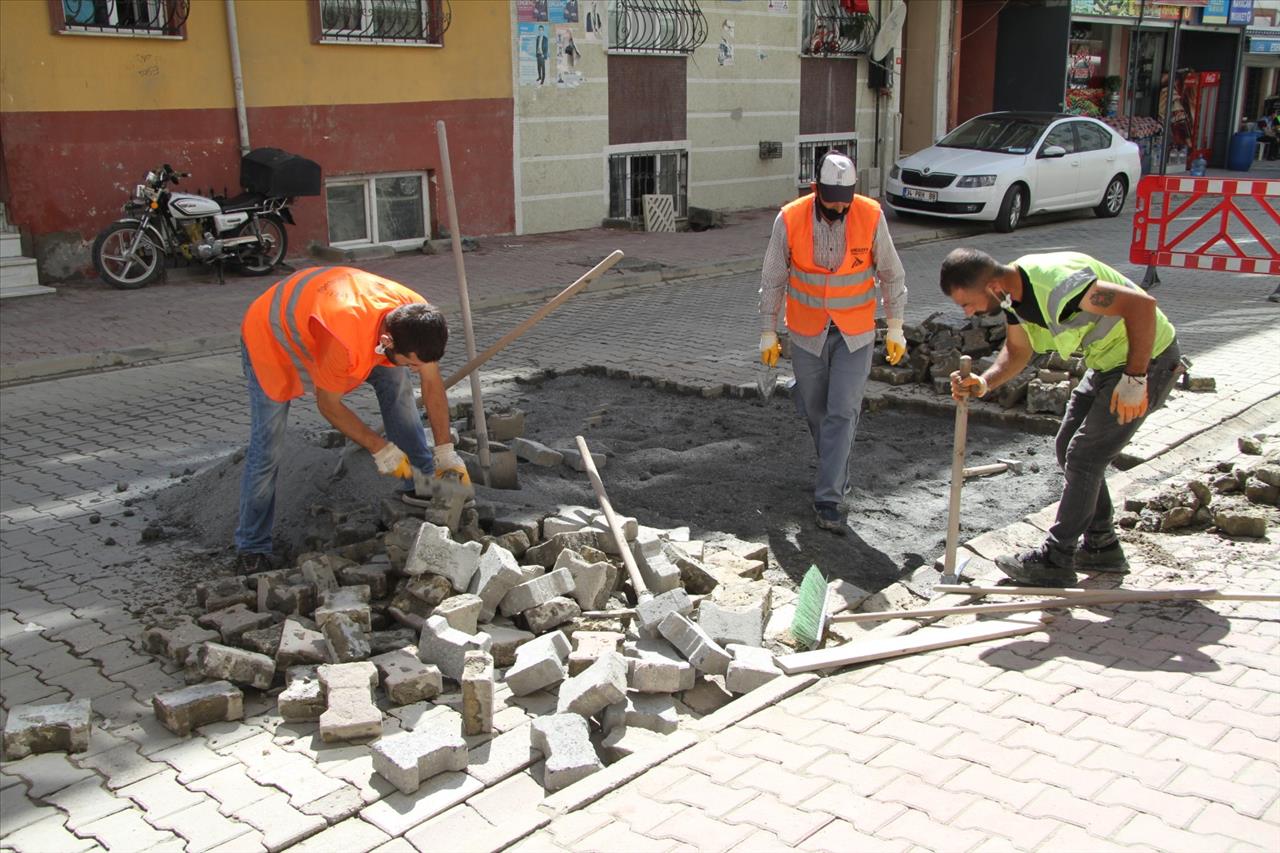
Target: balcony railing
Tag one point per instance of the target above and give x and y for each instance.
(385, 21)
(132, 17)
(830, 30)
(656, 26)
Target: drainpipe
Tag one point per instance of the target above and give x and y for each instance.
(237, 77)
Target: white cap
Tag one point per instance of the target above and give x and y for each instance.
(836, 178)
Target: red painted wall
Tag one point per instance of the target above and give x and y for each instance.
(979, 25)
(71, 171)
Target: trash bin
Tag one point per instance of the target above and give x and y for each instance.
(1240, 153)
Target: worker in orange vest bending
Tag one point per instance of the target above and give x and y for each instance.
(333, 328)
(827, 251)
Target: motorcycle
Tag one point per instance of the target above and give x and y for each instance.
(247, 231)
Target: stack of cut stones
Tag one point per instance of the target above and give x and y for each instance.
(463, 636)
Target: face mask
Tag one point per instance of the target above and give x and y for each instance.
(829, 214)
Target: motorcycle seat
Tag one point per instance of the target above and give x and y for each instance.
(244, 201)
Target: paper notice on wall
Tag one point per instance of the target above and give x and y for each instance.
(534, 53)
(724, 52)
(562, 11)
(592, 22)
(531, 11)
(567, 74)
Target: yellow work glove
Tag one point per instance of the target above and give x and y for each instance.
(974, 386)
(1129, 400)
(770, 349)
(895, 343)
(392, 462)
(449, 462)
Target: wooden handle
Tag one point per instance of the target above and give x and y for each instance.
(985, 470)
(957, 475)
(1196, 593)
(619, 538)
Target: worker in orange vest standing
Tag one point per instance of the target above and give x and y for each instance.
(827, 252)
(333, 328)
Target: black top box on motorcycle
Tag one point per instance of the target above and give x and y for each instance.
(274, 172)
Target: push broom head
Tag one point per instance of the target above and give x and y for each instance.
(810, 620)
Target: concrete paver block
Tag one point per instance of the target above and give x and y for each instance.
(349, 710)
(539, 664)
(546, 553)
(300, 645)
(319, 574)
(175, 638)
(700, 650)
(574, 459)
(652, 711)
(659, 573)
(61, 727)
(736, 613)
(625, 740)
(751, 667)
(538, 454)
(446, 647)
(588, 646)
(593, 583)
(405, 678)
(345, 640)
(497, 573)
(303, 699)
(650, 613)
(551, 613)
(188, 708)
(477, 693)
(234, 621)
(373, 575)
(408, 759)
(599, 686)
(654, 666)
(461, 611)
(506, 641)
(221, 593)
(353, 601)
(565, 740)
(533, 592)
(433, 552)
(216, 661)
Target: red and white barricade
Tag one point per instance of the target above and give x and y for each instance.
(1222, 224)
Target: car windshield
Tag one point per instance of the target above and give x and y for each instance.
(1001, 134)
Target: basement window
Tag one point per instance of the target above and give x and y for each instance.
(386, 209)
(154, 18)
(633, 176)
(811, 148)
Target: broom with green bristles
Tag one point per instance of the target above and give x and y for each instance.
(810, 620)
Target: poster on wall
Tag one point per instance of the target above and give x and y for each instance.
(1171, 10)
(567, 57)
(562, 11)
(535, 50)
(592, 22)
(724, 52)
(531, 11)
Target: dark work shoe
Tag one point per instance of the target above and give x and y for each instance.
(828, 517)
(251, 564)
(1039, 567)
(1109, 558)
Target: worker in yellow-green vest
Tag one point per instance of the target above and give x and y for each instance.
(828, 251)
(1064, 302)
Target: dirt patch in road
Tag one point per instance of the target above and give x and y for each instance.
(719, 466)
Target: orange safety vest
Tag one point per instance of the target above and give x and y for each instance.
(846, 294)
(291, 328)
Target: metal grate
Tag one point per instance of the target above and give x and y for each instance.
(633, 176)
(397, 21)
(810, 152)
(933, 180)
(149, 17)
(656, 26)
(830, 30)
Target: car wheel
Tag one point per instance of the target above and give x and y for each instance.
(1012, 209)
(1113, 199)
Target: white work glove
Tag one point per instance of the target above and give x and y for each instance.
(449, 462)
(770, 349)
(895, 343)
(392, 462)
(974, 386)
(1129, 400)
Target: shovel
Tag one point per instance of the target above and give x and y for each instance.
(766, 381)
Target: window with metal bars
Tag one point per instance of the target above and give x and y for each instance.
(656, 26)
(383, 21)
(123, 17)
(830, 29)
(811, 150)
(633, 176)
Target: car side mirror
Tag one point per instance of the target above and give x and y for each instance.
(1053, 151)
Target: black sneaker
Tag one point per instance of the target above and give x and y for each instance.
(1108, 558)
(1039, 567)
(828, 517)
(251, 564)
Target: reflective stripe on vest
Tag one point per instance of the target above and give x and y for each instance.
(845, 295)
(292, 344)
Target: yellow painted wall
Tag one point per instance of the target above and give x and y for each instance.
(44, 71)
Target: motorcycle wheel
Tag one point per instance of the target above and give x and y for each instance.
(113, 264)
(262, 260)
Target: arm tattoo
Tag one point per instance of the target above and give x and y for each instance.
(1102, 298)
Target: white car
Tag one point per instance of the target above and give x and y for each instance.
(1001, 167)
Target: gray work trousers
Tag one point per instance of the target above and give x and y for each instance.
(1089, 439)
(828, 395)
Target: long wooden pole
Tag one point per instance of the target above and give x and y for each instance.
(555, 302)
(455, 237)
(619, 538)
(957, 477)
(1196, 593)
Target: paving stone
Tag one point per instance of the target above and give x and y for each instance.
(344, 637)
(654, 666)
(705, 654)
(477, 694)
(221, 593)
(461, 611)
(651, 612)
(393, 639)
(350, 601)
(47, 834)
(202, 826)
(497, 573)
(350, 712)
(599, 686)
(706, 697)
(17, 808)
(373, 575)
(538, 454)
(352, 835)
(588, 646)
(125, 830)
(47, 772)
(659, 573)
(399, 812)
(565, 740)
(750, 668)
(265, 641)
(540, 663)
(303, 698)
(508, 753)
(655, 712)
(160, 795)
(405, 678)
(219, 662)
(62, 727)
(175, 638)
(736, 613)
(300, 645)
(188, 708)
(85, 802)
(281, 825)
(505, 640)
(593, 582)
(546, 553)
(433, 552)
(319, 574)
(446, 647)
(537, 591)
(193, 759)
(234, 621)
(124, 765)
(551, 614)
(408, 759)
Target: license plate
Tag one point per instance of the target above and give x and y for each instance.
(919, 195)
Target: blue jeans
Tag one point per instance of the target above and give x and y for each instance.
(267, 420)
(1089, 439)
(828, 394)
